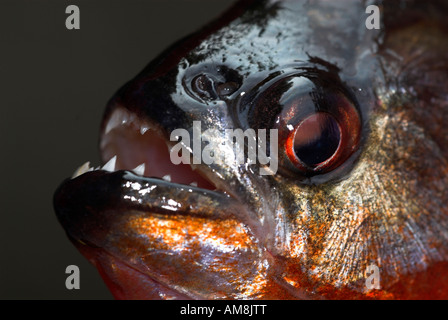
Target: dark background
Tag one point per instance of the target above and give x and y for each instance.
(54, 84)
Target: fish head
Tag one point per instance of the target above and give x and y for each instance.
(344, 165)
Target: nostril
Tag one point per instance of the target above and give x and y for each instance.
(203, 86)
(212, 83)
(226, 89)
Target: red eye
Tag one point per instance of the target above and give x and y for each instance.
(317, 118)
(323, 140)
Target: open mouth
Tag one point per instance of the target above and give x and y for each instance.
(129, 143)
(147, 223)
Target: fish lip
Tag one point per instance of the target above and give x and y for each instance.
(91, 206)
(120, 191)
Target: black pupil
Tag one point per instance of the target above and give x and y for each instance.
(317, 139)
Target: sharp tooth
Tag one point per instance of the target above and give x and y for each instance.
(119, 117)
(143, 129)
(110, 165)
(167, 178)
(140, 170)
(82, 169)
(194, 184)
(131, 117)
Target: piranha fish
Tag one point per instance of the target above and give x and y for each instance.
(358, 206)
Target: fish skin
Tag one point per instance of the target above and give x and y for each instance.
(284, 236)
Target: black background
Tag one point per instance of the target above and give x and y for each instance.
(54, 84)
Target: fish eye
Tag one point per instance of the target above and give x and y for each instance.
(323, 126)
(323, 140)
(317, 118)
